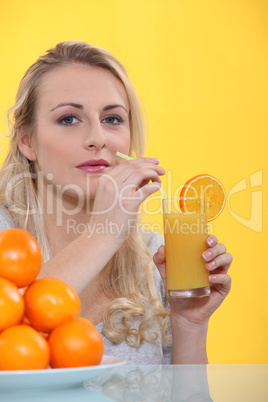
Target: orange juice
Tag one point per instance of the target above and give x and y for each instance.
(185, 241)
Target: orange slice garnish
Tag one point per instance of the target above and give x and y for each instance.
(204, 185)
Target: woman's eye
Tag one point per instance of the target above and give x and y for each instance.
(113, 120)
(68, 120)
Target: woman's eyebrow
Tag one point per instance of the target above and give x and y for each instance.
(68, 104)
(78, 106)
(108, 107)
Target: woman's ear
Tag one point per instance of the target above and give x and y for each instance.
(25, 144)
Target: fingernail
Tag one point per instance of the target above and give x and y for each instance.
(162, 169)
(210, 242)
(212, 278)
(206, 255)
(211, 264)
(155, 184)
(155, 160)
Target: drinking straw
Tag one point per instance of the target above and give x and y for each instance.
(162, 191)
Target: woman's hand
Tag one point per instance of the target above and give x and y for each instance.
(118, 197)
(198, 310)
(120, 193)
(189, 316)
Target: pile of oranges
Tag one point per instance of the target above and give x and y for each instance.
(39, 318)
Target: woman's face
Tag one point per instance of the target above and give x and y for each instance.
(82, 121)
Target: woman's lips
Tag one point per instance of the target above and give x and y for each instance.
(94, 165)
(93, 168)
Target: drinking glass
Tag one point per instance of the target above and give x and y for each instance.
(185, 232)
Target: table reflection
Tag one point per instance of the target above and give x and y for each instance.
(187, 383)
(154, 383)
(128, 383)
(77, 394)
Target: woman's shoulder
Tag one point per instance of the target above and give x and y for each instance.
(6, 220)
(153, 240)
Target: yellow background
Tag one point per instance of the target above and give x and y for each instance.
(201, 68)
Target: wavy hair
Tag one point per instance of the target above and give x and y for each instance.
(129, 276)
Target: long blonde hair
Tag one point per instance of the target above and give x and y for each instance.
(129, 277)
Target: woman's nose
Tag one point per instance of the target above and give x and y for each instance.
(96, 138)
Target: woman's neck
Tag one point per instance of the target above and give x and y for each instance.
(61, 233)
(65, 220)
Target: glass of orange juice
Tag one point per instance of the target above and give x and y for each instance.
(185, 232)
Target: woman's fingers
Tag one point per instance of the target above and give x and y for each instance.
(212, 240)
(137, 171)
(160, 261)
(213, 252)
(224, 261)
(159, 257)
(147, 190)
(217, 260)
(138, 176)
(221, 282)
(124, 182)
(133, 181)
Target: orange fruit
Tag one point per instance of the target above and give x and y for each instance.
(207, 186)
(50, 302)
(11, 304)
(75, 344)
(20, 257)
(23, 348)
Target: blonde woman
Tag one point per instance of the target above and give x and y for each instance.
(63, 182)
